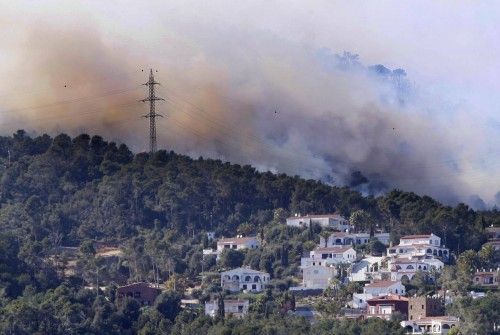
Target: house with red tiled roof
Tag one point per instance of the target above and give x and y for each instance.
(385, 306)
(375, 289)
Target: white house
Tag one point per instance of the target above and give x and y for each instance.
(384, 287)
(334, 221)
(375, 289)
(419, 246)
(406, 268)
(237, 308)
(245, 279)
(317, 277)
(430, 325)
(362, 270)
(343, 238)
(238, 243)
(329, 256)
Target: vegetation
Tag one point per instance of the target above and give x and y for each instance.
(83, 192)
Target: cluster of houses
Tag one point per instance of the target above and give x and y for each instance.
(336, 259)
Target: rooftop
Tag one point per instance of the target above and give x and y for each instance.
(236, 240)
(389, 297)
(382, 283)
(142, 284)
(316, 216)
(410, 237)
(245, 270)
(448, 318)
(334, 249)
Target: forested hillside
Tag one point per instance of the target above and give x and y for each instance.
(72, 192)
(65, 190)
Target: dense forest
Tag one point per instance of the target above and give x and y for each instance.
(75, 192)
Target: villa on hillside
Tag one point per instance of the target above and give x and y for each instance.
(232, 307)
(375, 289)
(334, 221)
(329, 256)
(144, 293)
(430, 325)
(385, 306)
(244, 279)
(238, 243)
(419, 246)
(406, 268)
(343, 238)
(486, 279)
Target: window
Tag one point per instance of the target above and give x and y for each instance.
(248, 278)
(227, 246)
(240, 309)
(254, 287)
(234, 246)
(244, 286)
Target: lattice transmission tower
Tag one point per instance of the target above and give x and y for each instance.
(152, 98)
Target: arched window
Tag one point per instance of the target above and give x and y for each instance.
(410, 267)
(338, 241)
(236, 277)
(248, 278)
(446, 326)
(435, 252)
(429, 251)
(398, 267)
(256, 279)
(440, 252)
(227, 277)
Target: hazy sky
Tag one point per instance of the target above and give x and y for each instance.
(227, 66)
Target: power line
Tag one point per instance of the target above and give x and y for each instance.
(152, 98)
(75, 100)
(94, 111)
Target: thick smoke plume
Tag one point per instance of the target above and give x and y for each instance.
(266, 101)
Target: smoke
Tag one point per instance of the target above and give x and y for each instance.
(248, 96)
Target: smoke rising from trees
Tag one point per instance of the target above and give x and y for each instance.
(250, 97)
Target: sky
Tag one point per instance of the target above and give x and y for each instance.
(258, 82)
